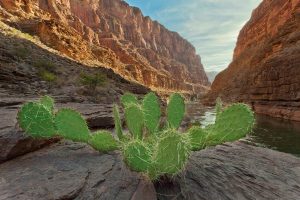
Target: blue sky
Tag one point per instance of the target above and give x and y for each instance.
(212, 26)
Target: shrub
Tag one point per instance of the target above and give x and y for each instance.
(47, 76)
(21, 52)
(147, 148)
(92, 81)
(46, 70)
(45, 65)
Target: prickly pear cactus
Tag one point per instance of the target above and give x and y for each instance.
(152, 113)
(137, 156)
(198, 138)
(103, 141)
(118, 123)
(219, 106)
(147, 148)
(171, 153)
(175, 111)
(128, 99)
(135, 120)
(36, 120)
(48, 102)
(232, 124)
(71, 125)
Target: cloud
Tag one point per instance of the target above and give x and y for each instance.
(212, 26)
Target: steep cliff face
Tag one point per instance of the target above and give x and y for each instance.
(266, 64)
(112, 34)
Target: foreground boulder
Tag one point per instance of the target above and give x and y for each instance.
(74, 171)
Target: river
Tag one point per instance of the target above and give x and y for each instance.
(269, 132)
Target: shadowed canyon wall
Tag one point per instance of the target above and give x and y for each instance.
(265, 70)
(112, 34)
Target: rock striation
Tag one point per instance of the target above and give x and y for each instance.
(112, 34)
(265, 68)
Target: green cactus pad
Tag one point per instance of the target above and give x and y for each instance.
(152, 112)
(103, 141)
(175, 111)
(137, 156)
(135, 120)
(197, 138)
(171, 153)
(72, 126)
(232, 124)
(48, 102)
(219, 107)
(118, 124)
(36, 120)
(128, 99)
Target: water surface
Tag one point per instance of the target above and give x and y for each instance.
(269, 132)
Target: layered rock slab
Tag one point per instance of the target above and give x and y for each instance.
(71, 171)
(74, 171)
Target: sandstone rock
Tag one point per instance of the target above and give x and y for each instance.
(74, 171)
(265, 69)
(237, 171)
(71, 171)
(111, 33)
(13, 142)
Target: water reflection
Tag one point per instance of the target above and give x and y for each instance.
(278, 134)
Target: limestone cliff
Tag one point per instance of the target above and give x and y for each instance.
(113, 34)
(266, 64)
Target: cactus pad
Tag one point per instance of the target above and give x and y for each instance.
(137, 156)
(135, 120)
(128, 99)
(232, 124)
(171, 153)
(219, 106)
(103, 141)
(48, 102)
(36, 120)
(197, 138)
(152, 112)
(175, 111)
(118, 124)
(72, 126)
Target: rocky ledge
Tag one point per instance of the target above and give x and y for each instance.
(74, 171)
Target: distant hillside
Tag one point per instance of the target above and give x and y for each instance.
(211, 75)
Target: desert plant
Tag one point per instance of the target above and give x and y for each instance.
(92, 81)
(148, 148)
(46, 70)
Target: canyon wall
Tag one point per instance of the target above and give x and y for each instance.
(265, 71)
(112, 34)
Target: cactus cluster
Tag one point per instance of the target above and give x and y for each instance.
(148, 146)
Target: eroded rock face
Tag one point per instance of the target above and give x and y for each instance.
(265, 69)
(111, 33)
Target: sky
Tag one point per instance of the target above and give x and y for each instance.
(212, 26)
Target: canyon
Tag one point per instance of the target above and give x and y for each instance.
(265, 71)
(112, 34)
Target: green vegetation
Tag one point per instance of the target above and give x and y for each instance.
(21, 52)
(146, 148)
(46, 70)
(92, 81)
